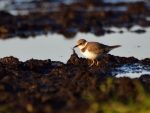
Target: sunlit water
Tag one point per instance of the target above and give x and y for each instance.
(58, 48)
(131, 70)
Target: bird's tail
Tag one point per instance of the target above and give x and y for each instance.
(116, 46)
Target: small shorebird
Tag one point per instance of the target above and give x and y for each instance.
(94, 50)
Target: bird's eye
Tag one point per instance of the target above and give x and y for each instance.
(80, 43)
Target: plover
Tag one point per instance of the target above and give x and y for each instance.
(94, 50)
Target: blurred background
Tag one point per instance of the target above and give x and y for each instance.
(48, 29)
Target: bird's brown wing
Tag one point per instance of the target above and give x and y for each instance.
(98, 48)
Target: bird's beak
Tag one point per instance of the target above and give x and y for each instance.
(75, 46)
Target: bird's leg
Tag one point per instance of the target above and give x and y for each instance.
(97, 62)
(92, 63)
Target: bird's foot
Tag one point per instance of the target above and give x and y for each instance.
(97, 62)
(92, 63)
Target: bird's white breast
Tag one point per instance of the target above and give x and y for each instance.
(91, 55)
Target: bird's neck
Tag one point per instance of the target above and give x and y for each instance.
(83, 48)
(85, 44)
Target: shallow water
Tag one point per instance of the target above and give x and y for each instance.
(58, 48)
(131, 70)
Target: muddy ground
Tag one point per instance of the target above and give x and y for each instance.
(69, 19)
(45, 86)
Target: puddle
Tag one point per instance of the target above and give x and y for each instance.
(131, 70)
(58, 48)
(132, 75)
